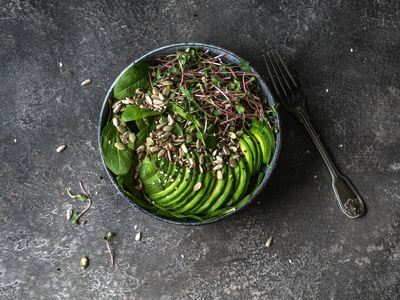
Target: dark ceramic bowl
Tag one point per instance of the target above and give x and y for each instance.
(230, 57)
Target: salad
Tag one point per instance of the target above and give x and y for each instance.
(189, 136)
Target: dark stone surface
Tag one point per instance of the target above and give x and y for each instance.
(345, 55)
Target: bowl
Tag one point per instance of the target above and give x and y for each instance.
(229, 57)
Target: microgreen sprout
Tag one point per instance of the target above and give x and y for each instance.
(83, 198)
(106, 238)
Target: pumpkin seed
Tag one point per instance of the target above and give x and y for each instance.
(87, 81)
(139, 91)
(269, 242)
(155, 97)
(122, 129)
(218, 167)
(149, 142)
(167, 82)
(161, 153)
(168, 128)
(125, 136)
(166, 91)
(240, 133)
(233, 162)
(139, 184)
(69, 214)
(61, 148)
(220, 176)
(232, 135)
(115, 122)
(197, 186)
(84, 262)
(132, 137)
(179, 119)
(120, 146)
(155, 90)
(189, 138)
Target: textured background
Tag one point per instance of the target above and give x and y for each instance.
(346, 58)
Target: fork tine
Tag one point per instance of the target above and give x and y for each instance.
(270, 74)
(286, 69)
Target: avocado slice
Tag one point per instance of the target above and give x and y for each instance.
(248, 155)
(256, 151)
(243, 180)
(262, 138)
(203, 193)
(268, 131)
(219, 187)
(229, 179)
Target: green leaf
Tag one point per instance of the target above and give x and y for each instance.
(118, 161)
(134, 112)
(240, 109)
(244, 66)
(82, 197)
(135, 77)
(75, 218)
(109, 235)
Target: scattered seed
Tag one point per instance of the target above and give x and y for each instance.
(240, 133)
(87, 81)
(192, 161)
(61, 148)
(138, 236)
(122, 129)
(233, 149)
(201, 169)
(189, 138)
(117, 108)
(215, 153)
(149, 100)
(198, 143)
(232, 135)
(269, 242)
(226, 150)
(157, 102)
(236, 156)
(139, 91)
(154, 149)
(169, 155)
(184, 148)
(170, 120)
(218, 161)
(84, 262)
(69, 214)
(132, 137)
(120, 146)
(115, 122)
(161, 153)
(201, 159)
(197, 186)
(220, 176)
(139, 184)
(155, 90)
(140, 149)
(149, 142)
(84, 222)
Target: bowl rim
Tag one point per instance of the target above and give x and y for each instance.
(268, 172)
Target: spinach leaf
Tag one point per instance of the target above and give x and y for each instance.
(244, 66)
(134, 112)
(119, 162)
(135, 77)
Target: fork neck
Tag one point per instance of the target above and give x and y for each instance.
(302, 115)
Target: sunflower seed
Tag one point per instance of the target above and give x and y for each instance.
(87, 81)
(139, 91)
(167, 128)
(170, 120)
(219, 157)
(115, 122)
(218, 162)
(117, 108)
(160, 126)
(233, 149)
(197, 186)
(181, 152)
(120, 146)
(201, 169)
(232, 135)
(161, 153)
(138, 236)
(269, 242)
(167, 82)
(132, 137)
(154, 149)
(198, 143)
(240, 133)
(158, 107)
(149, 100)
(218, 167)
(170, 147)
(169, 154)
(158, 102)
(149, 142)
(233, 162)
(237, 156)
(140, 149)
(215, 152)
(184, 148)
(115, 104)
(220, 176)
(61, 148)
(69, 214)
(165, 135)
(128, 101)
(226, 150)
(201, 159)
(192, 161)
(161, 96)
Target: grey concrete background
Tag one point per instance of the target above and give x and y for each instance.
(344, 54)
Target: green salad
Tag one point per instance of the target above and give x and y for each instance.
(189, 135)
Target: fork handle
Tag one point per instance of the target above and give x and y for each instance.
(349, 200)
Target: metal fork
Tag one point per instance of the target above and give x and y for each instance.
(293, 100)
